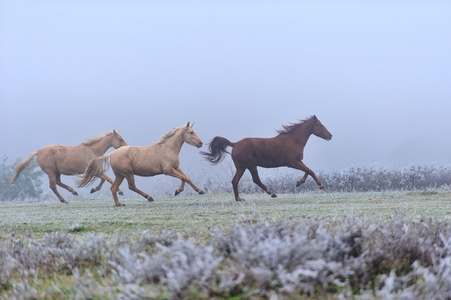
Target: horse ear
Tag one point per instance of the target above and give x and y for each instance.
(187, 125)
(314, 116)
(115, 133)
(192, 124)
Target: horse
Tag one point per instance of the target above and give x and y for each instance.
(161, 157)
(285, 149)
(57, 160)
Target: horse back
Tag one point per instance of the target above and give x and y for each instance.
(66, 160)
(263, 152)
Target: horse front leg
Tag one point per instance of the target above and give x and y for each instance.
(301, 166)
(178, 173)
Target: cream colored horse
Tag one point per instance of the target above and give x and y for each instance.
(159, 158)
(57, 160)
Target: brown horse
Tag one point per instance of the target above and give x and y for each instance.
(285, 149)
(159, 158)
(57, 160)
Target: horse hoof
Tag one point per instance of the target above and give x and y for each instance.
(120, 204)
(273, 196)
(75, 193)
(201, 193)
(321, 187)
(93, 191)
(240, 199)
(121, 193)
(150, 199)
(177, 192)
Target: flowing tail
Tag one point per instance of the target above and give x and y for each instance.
(217, 147)
(95, 168)
(27, 163)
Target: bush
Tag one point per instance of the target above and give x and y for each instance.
(348, 180)
(314, 258)
(28, 185)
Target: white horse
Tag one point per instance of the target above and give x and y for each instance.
(159, 158)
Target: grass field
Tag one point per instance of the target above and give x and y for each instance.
(203, 213)
(297, 246)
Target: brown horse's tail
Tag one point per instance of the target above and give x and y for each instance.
(27, 163)
(95, 168)
(217, 148)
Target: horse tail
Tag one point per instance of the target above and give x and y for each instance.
(217, 147)
(27, 163)
(95, 168)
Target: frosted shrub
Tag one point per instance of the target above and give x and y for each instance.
(318, 258)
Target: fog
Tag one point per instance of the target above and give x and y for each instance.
(376, 73)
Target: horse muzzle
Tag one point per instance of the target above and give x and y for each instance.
(199, 144)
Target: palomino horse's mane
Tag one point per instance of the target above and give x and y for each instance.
(292, 127)
(166, 136)
(95, 139)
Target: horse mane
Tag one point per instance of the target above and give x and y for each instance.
(290, 128)
(166, 136)
(95, 139)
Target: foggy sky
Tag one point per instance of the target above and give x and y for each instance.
(376, 73)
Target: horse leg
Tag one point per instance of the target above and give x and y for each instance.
(181, 188)
(115, 187)
(258, 182)
(104, 178)
(303, 179)
(186, 179)
(236, 179)
(58, 182)
(131, 185)
(301, 166)
(97, 188)
(52, 184)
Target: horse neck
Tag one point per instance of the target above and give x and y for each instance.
(302, 134)
(100, 147)
(175, 142)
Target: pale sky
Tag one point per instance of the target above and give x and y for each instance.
(376, 73)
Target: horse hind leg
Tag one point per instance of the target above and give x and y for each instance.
(52, 185)
(236, 179)
(104, 178)
(258, 182)
(181, 188)
(114, 188)
(132, 186)
(64, 186)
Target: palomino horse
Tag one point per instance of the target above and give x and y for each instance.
(285, 149)
(159, 158)
(57, 160)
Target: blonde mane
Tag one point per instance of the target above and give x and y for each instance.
(95, 139)
(168, 135)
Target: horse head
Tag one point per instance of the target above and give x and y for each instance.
(320, 130)
(190, 136)
(118, 141)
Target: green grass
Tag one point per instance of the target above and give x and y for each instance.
(201, 214)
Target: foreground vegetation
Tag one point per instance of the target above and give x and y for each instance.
(363, 245)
